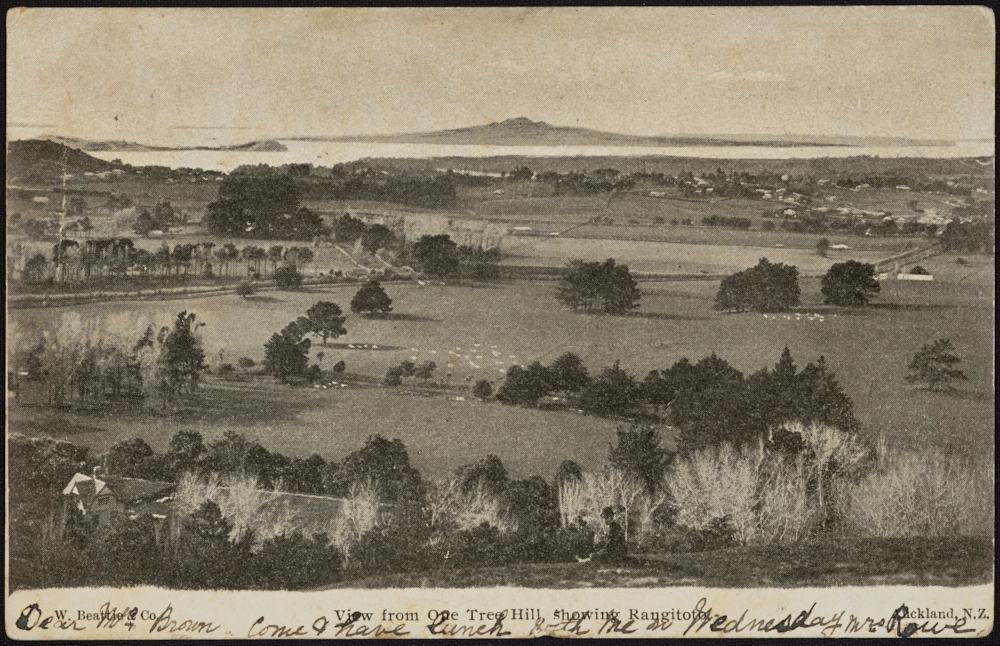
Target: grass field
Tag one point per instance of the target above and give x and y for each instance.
(868, 350)
(668, 257)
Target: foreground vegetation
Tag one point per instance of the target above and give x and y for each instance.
(835, 492)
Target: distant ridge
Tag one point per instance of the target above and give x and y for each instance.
(522, 131)
(119, 146)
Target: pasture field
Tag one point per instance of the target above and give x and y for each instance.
(886, 246)
(668, 257)
(481, 331)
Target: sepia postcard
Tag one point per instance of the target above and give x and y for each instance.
(500, 323)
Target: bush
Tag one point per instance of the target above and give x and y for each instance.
(391, 549)
(294, 562)
(524, 386)
(919, 271)
(287, 278)
(612, 392)
(918, 493)
(482, 389)
(768, 495)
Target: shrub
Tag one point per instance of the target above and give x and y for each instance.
(246, 289)
(293, 562)
(612, 392)
(918, 493)
(392, 549)
(482, 389)
(287, 278)
(393, 376)
(919, 271)
(768, 495)
(524, 386)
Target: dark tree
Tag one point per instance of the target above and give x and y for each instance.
(595, 285)
(934, 365)
(286, 354)
(376, 237)
(186, 448)
(612, 392)
(326, 320)
(261, 206)
(568, 374)
(128, 458)
(849, 283)
(393, 376)
(339, 367)
(568, 471)
(425, 370)
(246, 289)
(767, 287)
(144, 223)
(287, 277)
(436, 255)
(35, 269)
(385, 465)
(348, 229)
(182, 359)
(823, 246)
(482, 389)
(487, 473)
(638, 454)
(524, 386)
(371, 299)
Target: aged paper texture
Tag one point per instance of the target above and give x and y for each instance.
(498, 323)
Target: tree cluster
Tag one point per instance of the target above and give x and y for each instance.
(603, 286)
(161, 219)
(767, 287)
(729, 222)
(395, 375)
(286, 353)
(78, 363)
(711, 402)
(261, 206)
(566, 375)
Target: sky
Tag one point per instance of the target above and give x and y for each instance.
(921, 72)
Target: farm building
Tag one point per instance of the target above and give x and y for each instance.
(102, 499)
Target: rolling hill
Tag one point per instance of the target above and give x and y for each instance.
(37, 159)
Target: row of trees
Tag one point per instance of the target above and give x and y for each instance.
(75, 262)
(710, 401)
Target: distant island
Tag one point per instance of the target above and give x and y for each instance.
(268, 146)
(525, 132)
